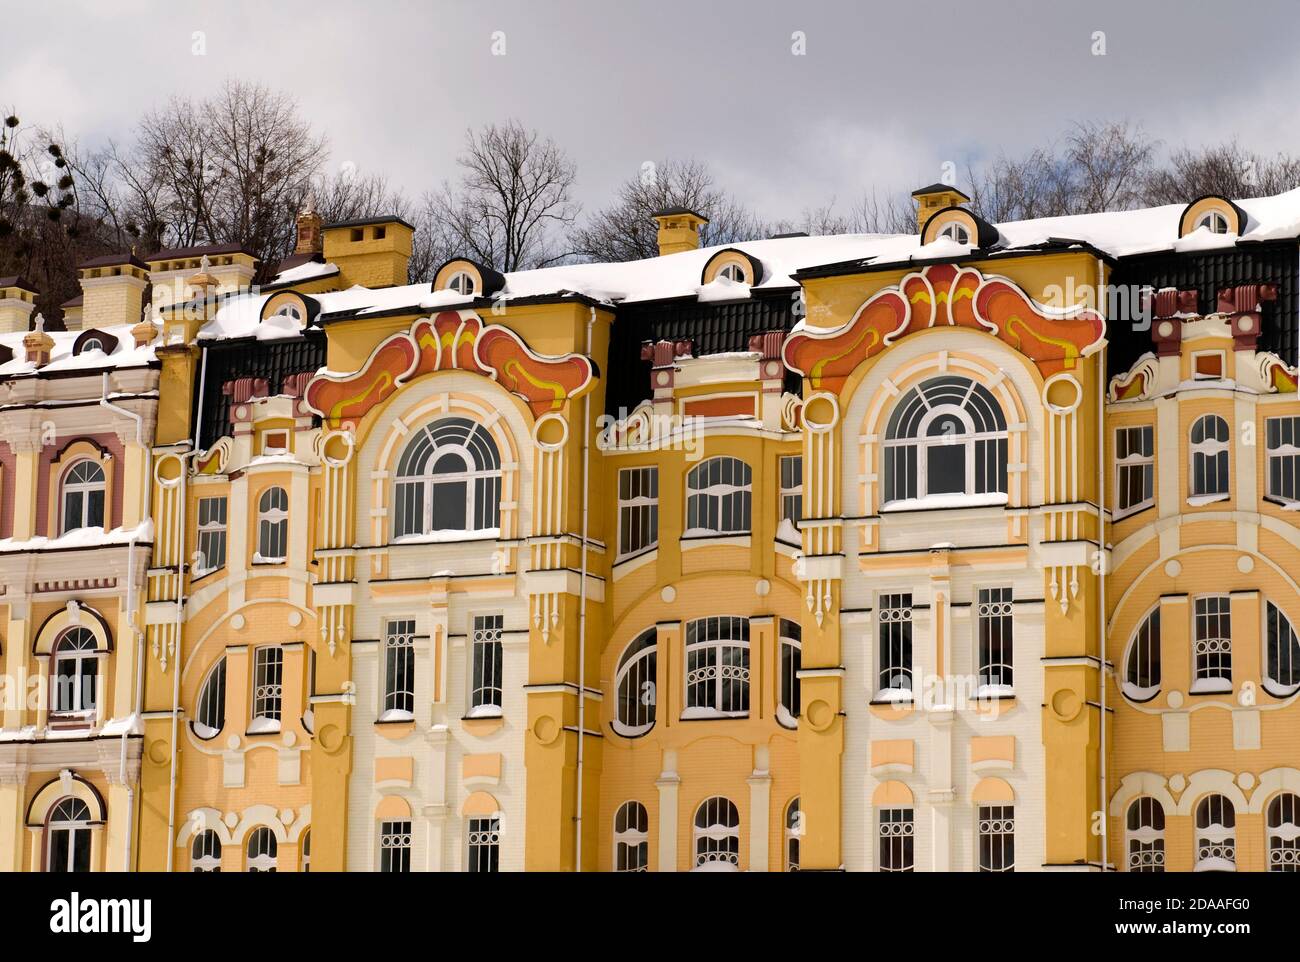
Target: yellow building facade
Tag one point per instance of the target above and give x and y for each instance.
(963, 550)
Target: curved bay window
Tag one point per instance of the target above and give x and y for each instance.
(636, 682)
(718, 497)
(83, 496)
(67, 835)
(946, 441)
(74, 677)
(448, 479)
(717, 668)
(1209, 467)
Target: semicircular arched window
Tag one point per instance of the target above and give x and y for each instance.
(635, 682)
(68, 837)
(1284, 833)
(1145, 835)
(1142, 665)
(631, 838)
(74, 676)
(1209, 468)
(717, 835)
(1216, 835)
(946, 445)
(448, 479)
(83, 496)
(205, 852)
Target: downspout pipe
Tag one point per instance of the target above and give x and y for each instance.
(145, 501)
(582, 603)
(1103, 567)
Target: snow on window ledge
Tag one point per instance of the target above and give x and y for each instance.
(395, 715)
(995, 691)
(1134, 693)
(787, 533)
(630, 731)
(1215, 865)
(205, 732)
(260, 559)
(716, 867)
(1211, 686)
(263, 726)
(784, 718)
(701, 711)
(445, 536)
(1277, 690)
(485, 711)
(894, 695)
(1197, 500)
(933, 502)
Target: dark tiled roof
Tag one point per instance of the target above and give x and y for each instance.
(173, 253)
(112, 260)
(668, 211)
(17, 280)
(364, 221)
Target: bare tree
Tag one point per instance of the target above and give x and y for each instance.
(625, 230)
(1227, 169)
(513, 197)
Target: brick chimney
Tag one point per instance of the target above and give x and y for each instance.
(679, 229)
(930, 200)
(310, 240)
(372, 252)
(17, 299)
(112, 288)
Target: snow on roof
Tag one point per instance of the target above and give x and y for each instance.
(125, 354)
(1118, 234)
(309, 271)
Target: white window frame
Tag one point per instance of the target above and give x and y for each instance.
(84, 478)
(1209, 451)
(790, 472)
(1142, 464)
(1145, 639)
(1144, 842)
(717, 668)
(398, 671)
(212, 515)
(262, 850)
(996, 826)
(462, 282)
(71, 815)
(734, 272)
(638, 510)
(789, 663)
(1214, 221)
(272, 526)
(995, 610)
(268, 689)
(1282, 824)
(92, 344)
(1283, 455)
(483, 838)
(715, 840)
(418, 479)
(956, 231)
(395, 845)
(1216, 841)
(211, 704)
(1281, 675)
(636, 685)
(894, 625)
(205, 851)
(631, 838)
(730, 497)
(82, 701)
(1211, 652)
(895, 825)
(487, 690)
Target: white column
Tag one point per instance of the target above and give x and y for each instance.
(668, 783)
(760, 803)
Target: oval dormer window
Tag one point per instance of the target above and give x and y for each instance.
(1213, 221)
(734, 272)
(93, 344)
(956, 232)
(291, 312)
(462, 282)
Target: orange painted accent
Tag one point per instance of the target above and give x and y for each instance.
(392, 808)
(894, 751)
(993, 748)
(481, 766)
(720, 407)
(399, 769)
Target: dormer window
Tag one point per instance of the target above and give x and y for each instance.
(734, 272)
(291, 312)
(94, 344)
(957, 233)
(462, 282)
(1213, 221)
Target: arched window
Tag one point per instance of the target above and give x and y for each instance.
(92, 344)
(83, 496)
(68, 837)
(791, 654)
(462, 282)
(1145, 831)
(448, 479)
(631, 838)
(717, 668)
(636, 682)
(1284, 833)
(793, 832)
(75, 675)
(205, 852)
(1213, 221)
(997, 838)
(897, 834)
(1216, 843)
(946, 438)
(1142, 666)
(305, 848)
(262, 850)
(272, 526)
(718, 497)
(734, 272)
(717, 835)
(1282, 673)
(1209, 468)
(210, 715)
(956, 232)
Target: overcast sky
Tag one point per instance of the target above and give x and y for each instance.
(885, 93)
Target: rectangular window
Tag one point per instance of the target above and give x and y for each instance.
(484, 844)
(1212, 645)
(1135, 469)
(1283, 437)
(997, 838)
(399, 670)
(268, 675)
(993, 613)
(485, 698)
(717, 668)
(212, 535)
(395, 846)
(895, 676)
(792, 489)
(896, 835)
(638, 510)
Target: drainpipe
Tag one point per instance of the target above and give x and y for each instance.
(1104, 565)
(147, 485)
(180, 611)
(582, 601)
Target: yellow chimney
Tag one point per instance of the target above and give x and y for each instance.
(230, 266)
(372, 252)
(112, 289)
(17, 299)
(679, 230)
(930, 200)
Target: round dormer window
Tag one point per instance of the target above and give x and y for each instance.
(734, 272)
(93, 344)
(1213, 221)
(462, 282)
(956, 232)
(291, 312)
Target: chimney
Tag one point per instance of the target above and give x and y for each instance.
(679, 230)
(930, 200)
(37, 345)
(309, 228)
(112, 289)
(17, 300)
(171, 270)
(372, 252)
